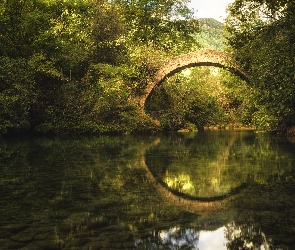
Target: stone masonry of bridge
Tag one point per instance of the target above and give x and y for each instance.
(203, 57)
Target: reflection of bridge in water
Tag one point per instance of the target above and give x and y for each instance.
(197, 205)
(190, 205)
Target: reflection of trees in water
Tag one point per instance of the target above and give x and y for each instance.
(216, 164)
(244, 237)
(172, 239)
(247, 237)
(181, 182)
(268, 208)
(106, 176)
(196, 166)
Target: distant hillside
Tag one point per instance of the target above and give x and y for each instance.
(211, 34)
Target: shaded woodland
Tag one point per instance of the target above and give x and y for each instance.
(72, 67)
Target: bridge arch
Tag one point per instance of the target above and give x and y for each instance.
(203, 57)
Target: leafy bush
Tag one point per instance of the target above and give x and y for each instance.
(17, 94)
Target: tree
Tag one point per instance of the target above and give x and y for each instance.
(17, 94)
(193, 96)
(261, 35)
(160, 24)
(210, 35)
(48, 50)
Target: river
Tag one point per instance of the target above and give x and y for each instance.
(211, 190)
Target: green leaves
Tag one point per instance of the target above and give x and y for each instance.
(261, 34)
(159, 24)
(72, 66)
(17, 93)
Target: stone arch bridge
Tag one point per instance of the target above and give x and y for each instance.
(203, 57)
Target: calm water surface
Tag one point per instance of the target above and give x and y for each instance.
(211, 190)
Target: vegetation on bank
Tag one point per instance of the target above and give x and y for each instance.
(261, 36)
(73, 66)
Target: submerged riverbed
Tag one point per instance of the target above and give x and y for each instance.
(211, 190)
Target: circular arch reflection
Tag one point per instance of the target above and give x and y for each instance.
(173, 186)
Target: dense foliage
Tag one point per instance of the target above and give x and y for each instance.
(261, 35)
(210, 35)
(71, 66)
(74, 66)
(201, 97)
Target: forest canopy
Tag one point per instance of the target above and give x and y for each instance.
(261, 35)
(74, 66)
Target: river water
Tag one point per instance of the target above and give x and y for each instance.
(211, 190)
